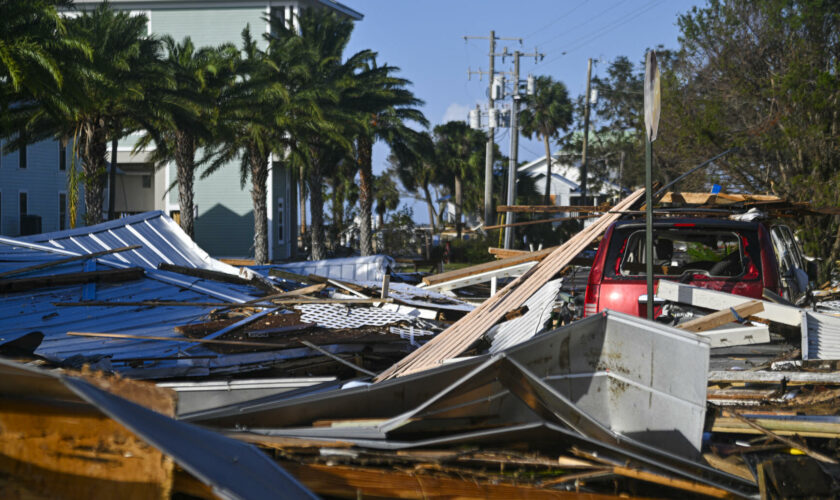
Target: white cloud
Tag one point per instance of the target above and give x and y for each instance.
(456, 111)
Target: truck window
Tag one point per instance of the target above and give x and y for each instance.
(710, 253)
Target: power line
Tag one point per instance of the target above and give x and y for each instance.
(585, 40)
(589, 21)
(581, 4)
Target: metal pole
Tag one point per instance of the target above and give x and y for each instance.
(488, 156)
(584, 160)
(649, 225)
(514, 151)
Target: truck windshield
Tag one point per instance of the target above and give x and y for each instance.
(675, 253)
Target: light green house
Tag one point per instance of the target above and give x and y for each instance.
(224, 225)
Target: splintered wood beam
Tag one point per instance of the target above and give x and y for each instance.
(338, 480)
(552, 208)
(793, 444)
(484, 267)
(206, 274)
(722, 317)
(68, 279)
(61, 262)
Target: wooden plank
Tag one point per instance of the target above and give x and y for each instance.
(722, 317)
(365, 482)
(68, 260)
(540, 221)
(54, 449)
(793, 444)
(774, 377)
(484, 267)
(207, 274)
(730, 467)
(69, 279)
(462, 334)
(553, 208)
(711, 299)
(716, 199)
(782, 427)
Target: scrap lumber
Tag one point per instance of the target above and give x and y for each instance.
(345, 481)
(484, 267)
(711, 299)
(722, 317)
(460, 336)
(208, 274)
(792, 425)
(553, 208)
(716, 199)
(774, 377)
(61, 262)
(68, 279)
(540, 221)
(793, 444)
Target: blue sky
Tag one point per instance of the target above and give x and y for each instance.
(425, 39)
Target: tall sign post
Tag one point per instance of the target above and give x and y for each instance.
(652, 107)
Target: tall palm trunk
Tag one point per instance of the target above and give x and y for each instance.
(316, 208)
(112, 181)
(185, 163)
(259, 196)
(94, 173)
(547, 200)
(365, 195)
(431, 206)
(459, 195)
(338, 210)
(302, 181)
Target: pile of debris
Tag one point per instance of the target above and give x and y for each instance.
(328, 378)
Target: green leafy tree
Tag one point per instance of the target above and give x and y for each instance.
(546, 112)
(384, 105)
(100, 99)
(416, 167)
(186, 112)
(386, 193)
(460, 156)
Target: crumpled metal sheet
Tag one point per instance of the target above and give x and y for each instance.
(534, 321)
(370, 268)
(231, 468)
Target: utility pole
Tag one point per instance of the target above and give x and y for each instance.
(583, 163)
(514, 145)
(514, 152)
(491, 132)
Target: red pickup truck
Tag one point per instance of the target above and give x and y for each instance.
(731, 256)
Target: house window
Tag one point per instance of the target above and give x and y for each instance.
(280, 218)
(62, 156)
(62, 211)
(147, 181)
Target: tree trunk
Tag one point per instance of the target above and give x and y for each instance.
(458, 200)
(94, 173)
(259, 196)
(365, 195)
(112, 181)
(316, 208)
(431, 206)
(185, 164)
(547, 199)
(302, 182)
(338, 210)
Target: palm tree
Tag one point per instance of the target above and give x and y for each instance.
(386, 194)
(416, 166)
(100, 98)
(460, 154)
(547, 111)
(188, 112)
(249, 130)
(33, 41)
(385, 105)
(319, 140)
